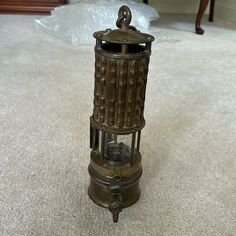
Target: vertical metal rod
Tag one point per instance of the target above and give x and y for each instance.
(102, 147)
(98, 43)
(132, 156)
(94, 139)
(138, 141)
(124, 48)
(106, 144)
(91, 136)
(115, 138)
(148, 46)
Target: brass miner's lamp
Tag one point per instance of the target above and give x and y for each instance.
(121, 67)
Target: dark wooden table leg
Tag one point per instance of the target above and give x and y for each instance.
(202, 8)
(212, 8)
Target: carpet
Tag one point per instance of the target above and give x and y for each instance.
(188, 144)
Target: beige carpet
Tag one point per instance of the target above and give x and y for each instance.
(188, 145)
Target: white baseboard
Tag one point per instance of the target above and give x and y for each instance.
(175, 6)
(226, 12)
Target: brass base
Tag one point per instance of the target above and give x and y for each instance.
(114, 187)
(101, 194)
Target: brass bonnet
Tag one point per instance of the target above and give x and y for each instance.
(126, 34)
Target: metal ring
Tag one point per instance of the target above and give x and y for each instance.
(124, 17)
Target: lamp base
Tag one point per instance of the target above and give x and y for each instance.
(115, 188)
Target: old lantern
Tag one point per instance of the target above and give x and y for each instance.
(121, 67)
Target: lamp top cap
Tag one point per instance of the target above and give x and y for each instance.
(126, 34)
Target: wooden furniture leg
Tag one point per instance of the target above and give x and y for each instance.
(212, 7)
(202, 8)
(29, 6)
(201, 11)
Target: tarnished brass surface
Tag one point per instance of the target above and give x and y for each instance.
(120, 87)
(121, 68)
(123, 178)
(126, 34)
(100, 193)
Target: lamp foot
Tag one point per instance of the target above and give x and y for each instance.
(116, 205)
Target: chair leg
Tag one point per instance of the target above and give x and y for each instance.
(202, 8)
(212, 8)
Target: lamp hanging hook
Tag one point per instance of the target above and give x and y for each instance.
(124, 17)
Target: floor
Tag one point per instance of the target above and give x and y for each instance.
(188, 144)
